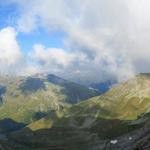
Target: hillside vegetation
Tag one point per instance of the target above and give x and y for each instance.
(26, 99)
(125, 101)
(119, 116)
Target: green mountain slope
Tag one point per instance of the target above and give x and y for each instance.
(125, 101)
(118, 120)
(26, 99)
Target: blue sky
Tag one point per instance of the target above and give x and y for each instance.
(8, 17)
(40, 36)
(8, 14)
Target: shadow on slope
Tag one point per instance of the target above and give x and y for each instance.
(72, 133)
(8, 125)
(2, 92)
(32, 85)
(75, 92)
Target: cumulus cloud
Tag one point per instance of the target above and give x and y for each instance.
(56, 60)
(10, 53)
(105, 38)
(51, 56)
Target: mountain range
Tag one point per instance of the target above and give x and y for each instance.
(33, 97)
(55, 114)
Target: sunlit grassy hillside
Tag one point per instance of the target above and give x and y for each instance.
(27, 99)
(125, 101)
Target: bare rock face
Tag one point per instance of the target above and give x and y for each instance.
(136, 140)
(143, 144)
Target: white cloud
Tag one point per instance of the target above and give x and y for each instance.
(51, 56)
(56, 60)
(10, 53)
(104, 37)
(9, 49)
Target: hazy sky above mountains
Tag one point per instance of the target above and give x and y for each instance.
(83, 40)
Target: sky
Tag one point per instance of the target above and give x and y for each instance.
(85, 41)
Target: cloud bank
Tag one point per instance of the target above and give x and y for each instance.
(10, 54)
(105, 38)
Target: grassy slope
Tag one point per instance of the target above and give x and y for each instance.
(23, 100)
(125, 101)
(64, 136)
(91, 123)
(21, 108)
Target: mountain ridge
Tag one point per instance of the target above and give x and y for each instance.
(119, 120)
(30, 96)
(115, 120)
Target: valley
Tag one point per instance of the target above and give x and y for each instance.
(50, 113)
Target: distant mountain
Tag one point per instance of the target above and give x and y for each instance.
(117, 120)
(103, 86)
(76, 92)
(26, 99)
